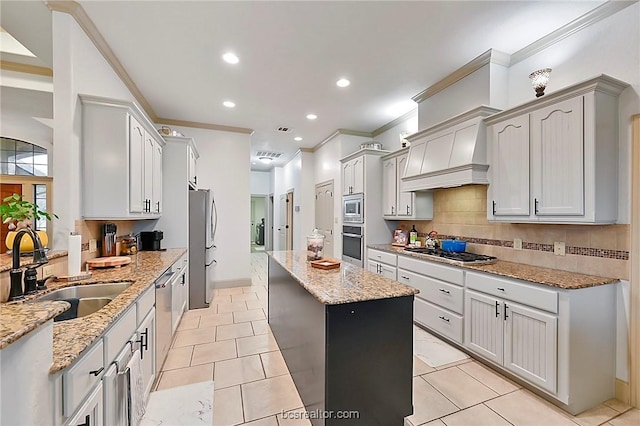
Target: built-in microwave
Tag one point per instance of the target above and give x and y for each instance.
(353, 208)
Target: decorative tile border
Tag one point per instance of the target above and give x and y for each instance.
(580, 251)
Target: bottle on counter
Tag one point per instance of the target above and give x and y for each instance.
(413, 235)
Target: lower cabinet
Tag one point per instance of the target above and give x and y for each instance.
(381, 269)
(90, 413)
(382, 263)
(146, 333)
(521, 339)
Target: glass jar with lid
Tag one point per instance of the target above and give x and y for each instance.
(315, 245)
(129, 245)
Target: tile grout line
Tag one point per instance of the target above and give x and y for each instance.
(498, 414)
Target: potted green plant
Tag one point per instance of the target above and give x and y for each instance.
(19, 213)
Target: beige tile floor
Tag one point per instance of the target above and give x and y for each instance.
(231, 342)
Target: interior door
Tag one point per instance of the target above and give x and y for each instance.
(7, 190)
(324, 215)
(282, 223)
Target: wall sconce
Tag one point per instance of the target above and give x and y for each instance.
(539, 80)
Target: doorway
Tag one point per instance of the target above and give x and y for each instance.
(268, 238)
(285, 226)
(324, 215)
(7, 190)
(258, 222)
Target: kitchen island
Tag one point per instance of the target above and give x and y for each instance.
(347, 337)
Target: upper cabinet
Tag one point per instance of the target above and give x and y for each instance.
(121, 161)
(398, 204)
(353, 176)
(193, 158)
(555, 159)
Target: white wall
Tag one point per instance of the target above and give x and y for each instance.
(78, 68)
(390, 139)
(612, 47)
(261, 183)
(224, 168)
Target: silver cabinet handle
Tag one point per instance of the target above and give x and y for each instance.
(443, 318)
(392, 210)
(444, 291)
(408, 213)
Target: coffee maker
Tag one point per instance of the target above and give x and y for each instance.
(109, 239)
(150, 240)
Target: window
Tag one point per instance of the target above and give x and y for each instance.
(40, 199)
(22, 158)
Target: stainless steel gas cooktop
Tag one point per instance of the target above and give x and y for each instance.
(464, 258)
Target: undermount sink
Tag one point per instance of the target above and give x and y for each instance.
(91, 297)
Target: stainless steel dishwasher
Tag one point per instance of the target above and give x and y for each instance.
(163, 317)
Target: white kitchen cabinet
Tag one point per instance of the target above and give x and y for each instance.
(398, 204)
(555, 159)
(382, 263)
(521, 339)
(90, 413)
(146, 334)
(118, 174)
(179, 290)
(353, 176)
(113, 405)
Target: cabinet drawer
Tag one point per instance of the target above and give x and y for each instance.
(384, 257)
(145, 303)
(447, 295)
(446, 273)
(526, 294)
(438, 319)
(79, 379)
(118, 335)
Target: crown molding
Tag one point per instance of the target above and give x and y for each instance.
(341, 132)
(78, 13)
(25, 68)
(305, 149)
(491, 56)
(598, 14)
(208, 126)
(380, 130)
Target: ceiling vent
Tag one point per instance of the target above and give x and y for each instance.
(283, 129)
(272, 155)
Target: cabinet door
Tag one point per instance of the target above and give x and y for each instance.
(389, 186)
(373, 267)
(483, 328)
(530, 349)
(388, 272)
(405, 199)
(147, 185)
(510, 167)
(147, 336)
(136, 166)
(557, 146)
(157, 178)
(358, 175)
(90, 413)
(184, 289)
(347, 178)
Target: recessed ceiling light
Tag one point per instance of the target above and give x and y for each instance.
(343, 82)
(266, 160)
(228, 104)
(297, 138)
(312, 116)
(230, 58)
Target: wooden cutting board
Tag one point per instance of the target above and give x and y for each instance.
(107, 262)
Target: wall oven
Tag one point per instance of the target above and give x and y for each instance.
(353, 208)
(353, 244)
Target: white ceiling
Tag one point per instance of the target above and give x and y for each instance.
(292, 53)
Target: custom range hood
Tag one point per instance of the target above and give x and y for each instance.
(451, 153)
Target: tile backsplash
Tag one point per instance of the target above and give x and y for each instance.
(91, 229)
(591, 249)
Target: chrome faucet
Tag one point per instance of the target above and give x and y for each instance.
(39, 258)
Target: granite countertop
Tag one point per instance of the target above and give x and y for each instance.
(17, 320)
(6, 260)
(72, 337)
(536, 274)
(348, 284)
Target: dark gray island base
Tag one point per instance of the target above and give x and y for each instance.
(347, 338)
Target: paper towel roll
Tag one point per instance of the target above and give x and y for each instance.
(74, 255)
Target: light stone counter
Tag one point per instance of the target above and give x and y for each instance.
(536, 274)
(347, 284)
(72, 337)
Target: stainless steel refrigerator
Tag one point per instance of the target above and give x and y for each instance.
(202, 230)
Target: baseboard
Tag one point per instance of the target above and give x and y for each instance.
(622, 391)
(231, 283)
